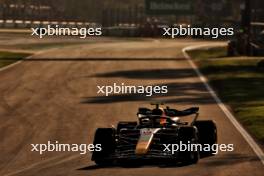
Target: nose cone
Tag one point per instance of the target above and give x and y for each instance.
(142, 148)
(145, 139)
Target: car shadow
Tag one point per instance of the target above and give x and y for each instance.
(139, 164)
(132, 165)
(149, 74)
(214, 161)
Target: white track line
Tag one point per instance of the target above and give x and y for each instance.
(29, 57)
(219, 102)
(10, 65)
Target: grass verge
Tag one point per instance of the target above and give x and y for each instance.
(238, 82)
(7, 58)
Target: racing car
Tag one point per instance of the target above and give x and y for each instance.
(146, 138)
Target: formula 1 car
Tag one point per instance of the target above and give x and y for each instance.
(147, 138)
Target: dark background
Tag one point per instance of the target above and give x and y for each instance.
(110, 12)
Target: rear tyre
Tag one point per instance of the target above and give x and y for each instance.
(106, 138)
(188, 135)
(207, 134)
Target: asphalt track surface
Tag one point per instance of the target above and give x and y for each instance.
(53, 96)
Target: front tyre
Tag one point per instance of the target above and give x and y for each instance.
(207, 134)
(188, 135)
(106, 138)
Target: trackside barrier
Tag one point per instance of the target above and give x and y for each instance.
(22, 24)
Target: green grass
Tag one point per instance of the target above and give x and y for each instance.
(239, 83)
(7, 58)
(214, 52)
